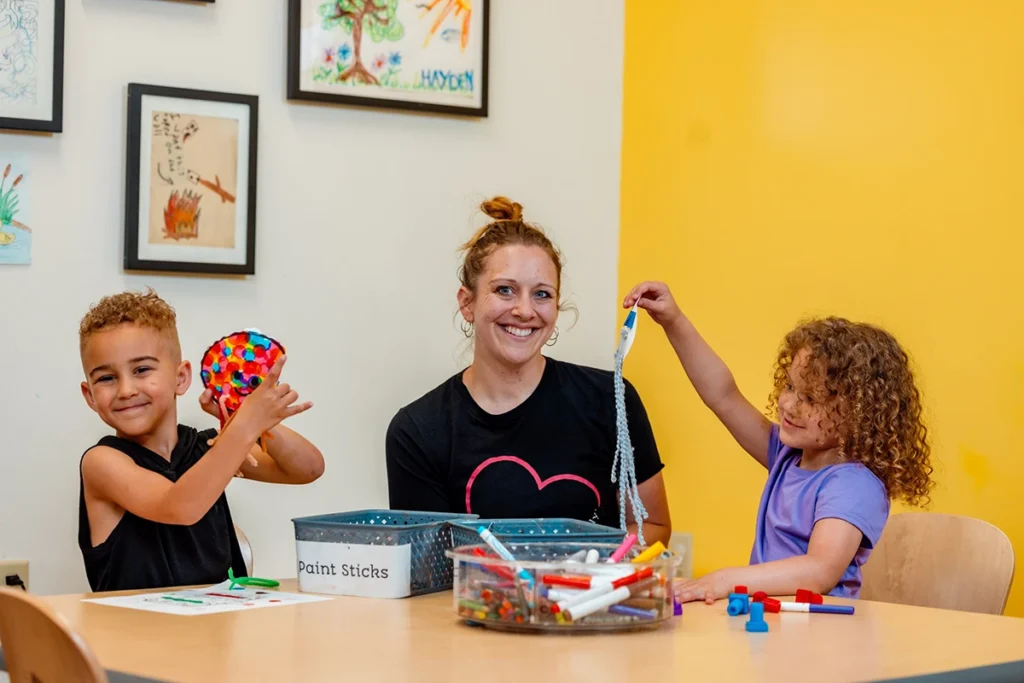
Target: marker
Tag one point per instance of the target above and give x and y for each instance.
(599, 603)
(650, 553)
(503, 553)
(503, 572)
(566, 580)
(579, 556)
(621, 551)
(195, 602)
(560, 594)
(815, 609)
(604, 588)
(632, 612)
(592, 556)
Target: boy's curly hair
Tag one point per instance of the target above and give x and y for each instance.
(144, 309)
(872, 399)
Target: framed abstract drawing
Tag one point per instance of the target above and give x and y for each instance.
(32, 65)
(190, 201)
(421, 55)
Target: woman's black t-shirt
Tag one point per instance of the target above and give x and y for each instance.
(550, 456)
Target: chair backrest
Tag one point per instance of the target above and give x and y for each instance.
(39, 646)
(246, 548)
(946, 561)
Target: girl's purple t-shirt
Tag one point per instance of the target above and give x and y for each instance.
(795, 499)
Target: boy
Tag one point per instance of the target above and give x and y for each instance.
(152, 508)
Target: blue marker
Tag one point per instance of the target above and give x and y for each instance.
(628, 333)
(815, 609)
(503, 553)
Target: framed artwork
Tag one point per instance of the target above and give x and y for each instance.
(32, 65)
(190, 201)
(15, 209)
(421, 55)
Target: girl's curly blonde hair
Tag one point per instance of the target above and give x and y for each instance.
(871, 397)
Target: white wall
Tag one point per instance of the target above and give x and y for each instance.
(359, 216)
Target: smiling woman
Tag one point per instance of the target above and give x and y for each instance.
(517, 434)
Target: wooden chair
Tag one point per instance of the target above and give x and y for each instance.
(946, 561)
(246, 548)
(39, 646)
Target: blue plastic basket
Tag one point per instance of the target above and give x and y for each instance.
(464, 532)
(429, 534)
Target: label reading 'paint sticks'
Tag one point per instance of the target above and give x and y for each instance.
(372, 571)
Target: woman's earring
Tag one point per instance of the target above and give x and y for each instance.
(467, 328)
(554, 338)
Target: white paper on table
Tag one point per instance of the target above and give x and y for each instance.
(210, 600)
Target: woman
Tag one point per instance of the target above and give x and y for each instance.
(517, 434)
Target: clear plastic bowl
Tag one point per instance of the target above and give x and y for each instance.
(531, 593)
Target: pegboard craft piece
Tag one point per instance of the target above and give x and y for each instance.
(236, 365)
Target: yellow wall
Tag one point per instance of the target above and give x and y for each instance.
(866, 159)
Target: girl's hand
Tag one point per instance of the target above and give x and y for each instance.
(656, 299)
(709, 588)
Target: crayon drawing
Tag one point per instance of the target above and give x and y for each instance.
(31, 64)
(190, 199)
(15, 233)
(19, 51)
(193, 177)
(429, 55)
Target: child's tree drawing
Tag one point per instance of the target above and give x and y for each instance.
(461, 7)
(376, 17)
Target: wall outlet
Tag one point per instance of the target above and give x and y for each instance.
(10, 567)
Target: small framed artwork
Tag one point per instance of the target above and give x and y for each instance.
(421, 55)
(190, 203)
(32, 65)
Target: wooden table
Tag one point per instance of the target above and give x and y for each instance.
(420, 639)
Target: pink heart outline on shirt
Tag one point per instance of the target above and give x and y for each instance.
(536, 477)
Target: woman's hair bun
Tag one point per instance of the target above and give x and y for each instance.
(502, 209)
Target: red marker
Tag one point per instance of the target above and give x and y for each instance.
(566, 580)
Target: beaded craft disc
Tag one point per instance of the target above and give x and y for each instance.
(235, 365)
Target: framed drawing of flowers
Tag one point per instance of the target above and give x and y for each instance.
(190, 203)
(421, 55)
(32, 65)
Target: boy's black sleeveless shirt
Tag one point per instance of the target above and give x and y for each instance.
(140, 554)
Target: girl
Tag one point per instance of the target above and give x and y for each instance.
(848, 438)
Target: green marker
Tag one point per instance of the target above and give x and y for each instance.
(195, 602)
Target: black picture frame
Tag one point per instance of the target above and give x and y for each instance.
(132, 259)
(295, 92)
(55, 121)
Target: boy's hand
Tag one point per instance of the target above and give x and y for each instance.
(207, 403)
(271, 403)
(208, 396)
(656, 299)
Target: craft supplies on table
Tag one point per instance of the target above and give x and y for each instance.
(546, 587)
(375, 553)
(464, 532)
(223, 597)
